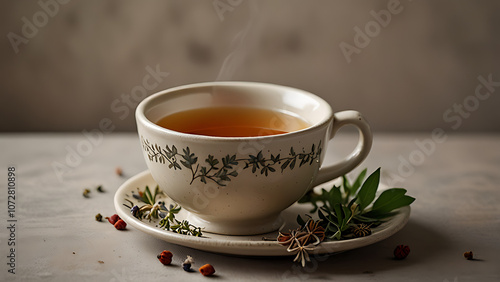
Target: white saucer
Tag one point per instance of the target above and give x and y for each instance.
(245, 245)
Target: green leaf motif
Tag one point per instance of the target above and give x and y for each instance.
(212, 161)
(211, 170)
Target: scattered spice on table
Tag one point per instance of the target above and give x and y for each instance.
(165, 257)
(100, 261)
(98, 217)
(119, 171)
(401, 252)
(469, 255)
(187, 264)
(86, 193)
(120, 224)
(207, 270)
(100, 189)
(113, 219)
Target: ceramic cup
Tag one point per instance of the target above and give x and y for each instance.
(240, 185)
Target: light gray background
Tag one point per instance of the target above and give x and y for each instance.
(90, 53)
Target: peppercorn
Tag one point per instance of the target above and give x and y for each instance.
(469, 255)
(207, 270)
(98, 217)
(120, 224)
(401, 251)
(187, 264)
(113, 219)
(165, 257)
(119, 171)
(86, 193)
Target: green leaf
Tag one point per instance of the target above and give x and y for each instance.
(157, 191)
(334, 196)
(366, 220)
(300, 221)
(390, 200)
(347, 217)
(357, 183)
(347, 186)
(146, 196)
(337, 208)
(368, 190)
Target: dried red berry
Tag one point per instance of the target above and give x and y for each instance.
(207, 270)
(113, 219)
(401, 251)
(119, 171)
(165, 257)
(120, 224)
(469, 255)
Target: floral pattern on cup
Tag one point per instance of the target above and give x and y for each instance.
(224, 169)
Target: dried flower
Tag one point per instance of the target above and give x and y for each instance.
(113, 219)
(207, 270)
(314, 233)
(361, 230)
(401, 251)
(165, 257)
(135, 211)
(98, 217)
(120, 224)
(469, 255)
(303, 240)
(86, 193)
(187, 264)
(302, 252)
(285, 239)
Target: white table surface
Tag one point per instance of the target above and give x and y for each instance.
(456, 184)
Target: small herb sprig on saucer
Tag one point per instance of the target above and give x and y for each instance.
(182, 227)
(346, 211)
(153, 209)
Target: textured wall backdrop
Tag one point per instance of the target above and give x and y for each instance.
(407, 65)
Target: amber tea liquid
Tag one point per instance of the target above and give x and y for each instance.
(232, 122)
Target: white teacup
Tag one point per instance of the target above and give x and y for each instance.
(239, 196)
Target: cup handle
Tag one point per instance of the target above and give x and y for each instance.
(357, 156)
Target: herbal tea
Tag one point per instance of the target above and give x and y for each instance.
(232, 122)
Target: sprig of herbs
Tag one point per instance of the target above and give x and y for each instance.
(182, 227)
(343, 208)
(153, 209)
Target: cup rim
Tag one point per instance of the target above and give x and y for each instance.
(145, 103)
